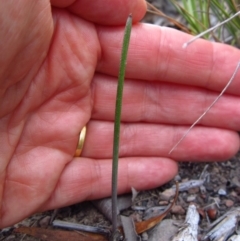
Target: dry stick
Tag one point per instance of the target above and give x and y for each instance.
(158, 12)
(205, 112)
(225, 88)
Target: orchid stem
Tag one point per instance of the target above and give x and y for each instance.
(117, 122)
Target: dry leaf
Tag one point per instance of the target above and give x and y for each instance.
(59, 235)
(147, 224)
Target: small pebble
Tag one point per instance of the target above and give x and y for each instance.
(222, 192)
(164, 231)
(167, 194)
(233, 194)
(44, 222)
(177, 209)
(26, 222)
(136, 217)
(203, 190)
(163, 203)
(191, 198)
(222, 179)
(235, 181)
(193, 190)
(215, 170)
(229, 203)
(144, 236)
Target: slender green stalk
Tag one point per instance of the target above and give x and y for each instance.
(117, 123)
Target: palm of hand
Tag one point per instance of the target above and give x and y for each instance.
(51, 102)
(50, 90)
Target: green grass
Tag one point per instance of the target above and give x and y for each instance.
(204, 14)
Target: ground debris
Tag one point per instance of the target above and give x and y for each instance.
(234, 238)
(189, 231)
(224, 226)
(58, 235)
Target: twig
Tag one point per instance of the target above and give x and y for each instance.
(205, 112)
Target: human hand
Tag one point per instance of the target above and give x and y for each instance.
(59, 72)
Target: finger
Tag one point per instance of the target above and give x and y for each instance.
(156, 54)
(151, 140)
(82, 178)
(107, 13)
(154, 102)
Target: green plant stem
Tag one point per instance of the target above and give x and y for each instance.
(117, 123)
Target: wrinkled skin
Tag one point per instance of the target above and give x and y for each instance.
(59, 65)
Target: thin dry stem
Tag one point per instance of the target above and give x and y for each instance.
(152, 9)
(205, 112)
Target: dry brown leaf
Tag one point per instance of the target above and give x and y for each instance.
(147, 224)
(59, 235)
(152, 9)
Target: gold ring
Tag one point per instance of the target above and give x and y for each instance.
(81, 140)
